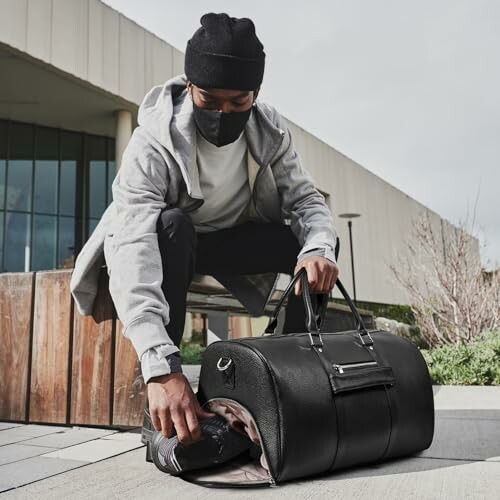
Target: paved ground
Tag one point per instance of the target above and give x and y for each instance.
(41, 461)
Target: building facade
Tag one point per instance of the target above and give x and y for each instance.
(72, 75)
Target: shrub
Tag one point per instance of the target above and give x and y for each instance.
(451, 296)
(409, 332)
(397, 312)
(476, 363)
(191, 354)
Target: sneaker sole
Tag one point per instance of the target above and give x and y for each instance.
(147, 435)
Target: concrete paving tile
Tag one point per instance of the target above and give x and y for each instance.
(70, 437)
(40, 430)
(132, 437)
(32, 469)
(461, 438)
(15, 452)
(466, 397)
(464, 438)
(404, 465)
(447, 480)
(129, 476)
(96, 450)
(470, 414)
(28, 430)
(6, 439)
(9, 425)
(25, 432)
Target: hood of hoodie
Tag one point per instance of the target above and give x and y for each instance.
(167, 114)
(164, 111)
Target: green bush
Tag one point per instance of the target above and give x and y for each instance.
(476, 363)
(191, 354)
(401, 313)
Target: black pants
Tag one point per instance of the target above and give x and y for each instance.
(248, 248)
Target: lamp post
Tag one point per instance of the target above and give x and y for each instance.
(349, 224)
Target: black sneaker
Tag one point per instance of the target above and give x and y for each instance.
(147, 432)
(219, 443)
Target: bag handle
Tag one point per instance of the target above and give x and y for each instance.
(314, 322)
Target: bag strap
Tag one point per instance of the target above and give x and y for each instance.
(314, 321)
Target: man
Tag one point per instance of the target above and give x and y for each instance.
(207, 184)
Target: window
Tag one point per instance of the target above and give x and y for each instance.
(101, 172)
(3, 180)
(54, 187)
(18, 201)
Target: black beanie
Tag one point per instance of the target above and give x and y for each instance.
(225, 53)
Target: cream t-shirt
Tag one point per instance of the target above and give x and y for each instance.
(223, 178)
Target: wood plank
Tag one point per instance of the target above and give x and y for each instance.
(51, 347)
(92, 369)
(16, 291)
(240, 327)
(130, 391)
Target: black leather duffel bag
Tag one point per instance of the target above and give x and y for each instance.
(319, 401)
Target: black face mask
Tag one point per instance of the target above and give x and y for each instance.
(218, 127)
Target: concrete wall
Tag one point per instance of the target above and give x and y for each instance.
(96, 44)
(380, 234)
(91, 41)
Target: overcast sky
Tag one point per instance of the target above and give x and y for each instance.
(408, 89)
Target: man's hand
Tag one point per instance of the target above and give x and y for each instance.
(321, 274)
(172, 403)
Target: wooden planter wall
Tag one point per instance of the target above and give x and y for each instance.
(57, 366)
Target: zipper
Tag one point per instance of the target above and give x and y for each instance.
(348, 366)
(271, 480)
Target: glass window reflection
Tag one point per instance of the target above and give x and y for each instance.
(96, 154)
(19, 184)
(97, 188)
(44, 242)
(3, 164)
(71, 154)
(67, 194)
(46, 186)
(92, 225)
(46, 170)
(20, 167)
(3, 171)
(66, 250)
(54, 187)
(1, 241)
(17, 242)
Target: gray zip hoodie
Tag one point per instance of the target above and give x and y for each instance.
(158, 170)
